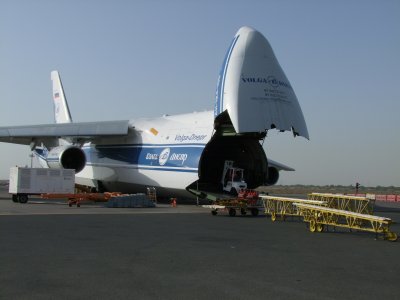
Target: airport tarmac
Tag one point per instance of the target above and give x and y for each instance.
(49, 250)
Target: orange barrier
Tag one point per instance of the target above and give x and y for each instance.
(173, 202)
(387, 198)
(380, 197)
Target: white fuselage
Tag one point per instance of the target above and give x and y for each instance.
(160, 152)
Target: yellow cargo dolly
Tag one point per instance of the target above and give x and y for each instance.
(318, 216)
(283, 206)
(356, 204)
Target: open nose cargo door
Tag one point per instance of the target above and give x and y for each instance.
(254, 90)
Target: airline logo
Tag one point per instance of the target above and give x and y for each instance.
(167, 156)
(190, 138)
(271, 80)
(164, 156)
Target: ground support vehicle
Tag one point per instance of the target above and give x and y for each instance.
(319, 216)
(234, 205)
(232, 179)
(283, 206)
(247, 201)
(77, 199)
(356, 204)
(35, 181)
(114, 200)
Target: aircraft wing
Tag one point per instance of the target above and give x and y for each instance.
(84, 132)
(279, 166)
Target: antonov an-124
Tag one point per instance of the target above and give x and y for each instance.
(178, 152)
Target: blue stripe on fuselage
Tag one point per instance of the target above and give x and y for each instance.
(155, 157)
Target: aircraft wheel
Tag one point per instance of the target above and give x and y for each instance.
(22, 198)
(232, 212)
(391, 236)
(313, 225)
(254, 212)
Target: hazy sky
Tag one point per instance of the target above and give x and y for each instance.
(131, 59)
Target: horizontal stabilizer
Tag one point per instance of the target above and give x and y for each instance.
(279, 166)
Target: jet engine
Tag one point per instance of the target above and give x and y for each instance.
(273, 176)
(67, 157)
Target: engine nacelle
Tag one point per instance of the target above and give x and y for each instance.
(273, 176)
(67, 157)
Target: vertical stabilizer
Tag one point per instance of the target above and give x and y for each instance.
(61, 110)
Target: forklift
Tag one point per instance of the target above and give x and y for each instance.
(233, 179)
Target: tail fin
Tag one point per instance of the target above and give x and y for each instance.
(61, 109)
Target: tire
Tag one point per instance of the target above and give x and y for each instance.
(233, 192)
(214, 212)
(22, 198)
(391, 236)
(243, 211)
(313, 225)
(14, 198)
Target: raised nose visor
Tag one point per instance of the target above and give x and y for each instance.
(254, 90)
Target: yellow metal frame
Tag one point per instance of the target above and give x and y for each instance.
(356, 204)
(318, 216)
(284, 206)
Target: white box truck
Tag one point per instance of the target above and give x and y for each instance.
(34, 181)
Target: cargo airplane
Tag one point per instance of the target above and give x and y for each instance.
(175, 153)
